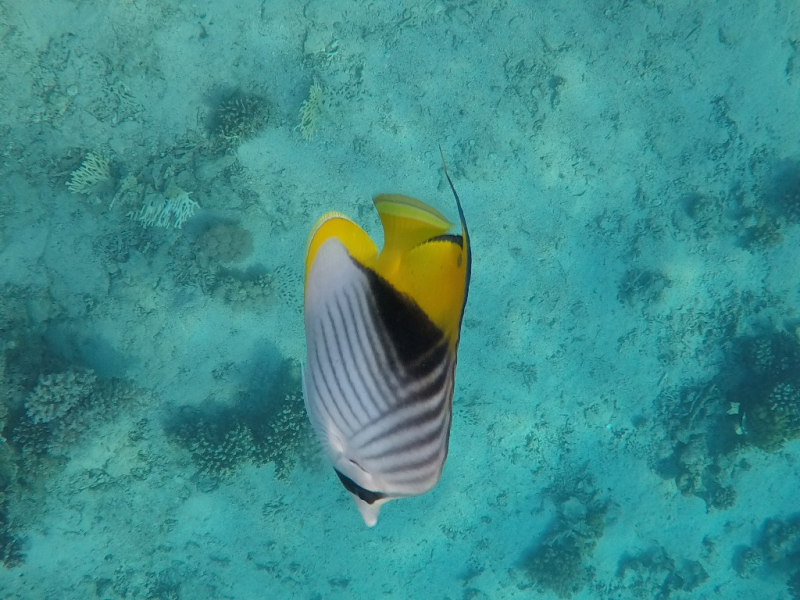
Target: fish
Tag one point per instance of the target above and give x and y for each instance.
(382, 332)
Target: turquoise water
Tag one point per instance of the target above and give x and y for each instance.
(627, 406)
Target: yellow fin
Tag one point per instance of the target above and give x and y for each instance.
(420, 261)
(434, 274)
(336, 225)
(408, 222)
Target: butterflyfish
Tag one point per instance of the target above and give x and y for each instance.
(382, 332)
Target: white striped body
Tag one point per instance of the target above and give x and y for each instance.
(378, 381)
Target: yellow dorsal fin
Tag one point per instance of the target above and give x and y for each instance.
(407, 223)
(419, 262)
(434, 275)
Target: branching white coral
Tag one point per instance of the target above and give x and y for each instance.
(173, 209)
(94, 170)
(310, 111)
(55, 395)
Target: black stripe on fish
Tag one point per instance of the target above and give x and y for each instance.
(412, 333)
(401, 418)
(351, 486)
(319, 378)
(345, 349)
(340, 398)
(359, 355)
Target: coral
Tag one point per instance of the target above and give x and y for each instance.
(219, 444)
(6, 393)
(687, 482)
(776, 355)
(256, 429)
(57, 394)
(777, 551)
(192, 274)
(63, 407)
(690, 576)
(780, 540)
(773, 417)
(247, 290)
(777, 205)
(721, 497)
(219, 452)
(224, 243)
(764, 386)
(8, 466)
(700, 440)
(654, 575)
(238, 117)
(30, 439)
(748, 562)
(93, 172)
(698, 471)
(786, 191)
(276, 434)
(699, 474)
(556, 566)
(784, 401)
(11, 554)
(286, 437)
(791, 205)
(646, 575)
(172, 209)
(311, 110)
(764, 233)
(164, 585)
(556, 563)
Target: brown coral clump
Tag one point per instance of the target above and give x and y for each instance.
(224, 243)
(56, 395)
(238, 117)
